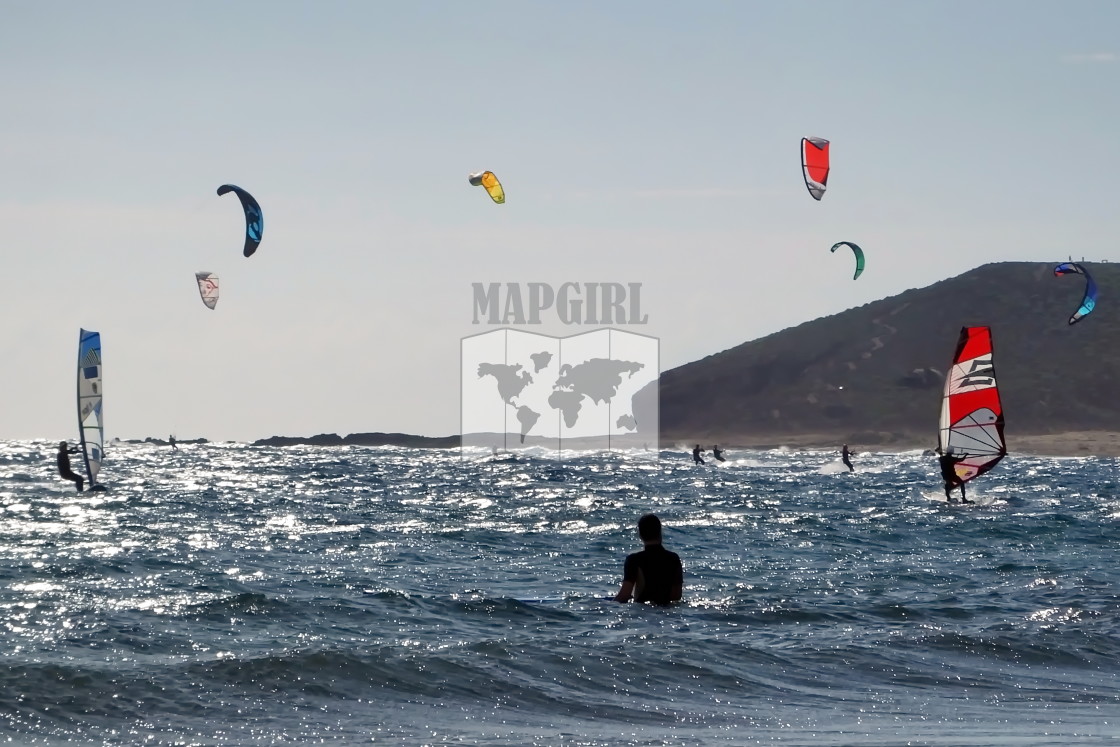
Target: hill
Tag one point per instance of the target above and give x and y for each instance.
(874, 374)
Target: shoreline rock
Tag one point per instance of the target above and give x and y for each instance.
(404, 440)
(163, 441)
(1068, 443)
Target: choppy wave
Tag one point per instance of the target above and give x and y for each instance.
(226, 594)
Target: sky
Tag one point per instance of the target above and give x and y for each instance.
(638, 142)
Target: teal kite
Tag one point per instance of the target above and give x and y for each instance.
(856, 251)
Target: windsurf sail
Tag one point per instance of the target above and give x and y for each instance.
(1089, 301)
(207, 288)
(971, 427)
(814, 165)
(90, 425)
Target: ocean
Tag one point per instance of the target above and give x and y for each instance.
(225, 594)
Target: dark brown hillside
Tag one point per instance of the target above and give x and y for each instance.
(874, 374)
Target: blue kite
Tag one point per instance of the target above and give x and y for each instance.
(254, 218)
(1089, 302)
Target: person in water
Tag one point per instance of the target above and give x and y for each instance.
(64, 464)
(653, 575)
(949, 464)
(171, 440)
(717, 452)
(696, 455)
(846, 457)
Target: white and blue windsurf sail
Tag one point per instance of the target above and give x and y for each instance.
(90, 425)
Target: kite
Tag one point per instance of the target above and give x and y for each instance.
(856, 251)
(254, 219)
(493, 186)
(814, 165)
(1089, 302)
(207, 288)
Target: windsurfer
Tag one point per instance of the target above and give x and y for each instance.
(64, 464)
(846, 457)
(696, 458)
(717, 452)
(949, 474)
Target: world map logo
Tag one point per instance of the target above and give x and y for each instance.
(591, 391)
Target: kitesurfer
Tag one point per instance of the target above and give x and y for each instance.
(171, 440)
(717, 452)
(654, 574)
(846, 457)
(64, 464)
(949, 464)
(696, 455)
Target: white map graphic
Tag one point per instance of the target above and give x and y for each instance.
(592, 391)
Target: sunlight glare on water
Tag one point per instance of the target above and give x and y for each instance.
(228, 594)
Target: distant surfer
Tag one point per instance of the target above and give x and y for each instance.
(696, 458)
(949, 464)
(64, 470)
(171, 440)
(654, 574)
(717, 452)
(846, 457)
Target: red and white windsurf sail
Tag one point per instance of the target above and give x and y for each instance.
(971, 414)
(814, 165)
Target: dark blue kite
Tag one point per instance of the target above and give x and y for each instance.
(1089, 302)
(254, 218)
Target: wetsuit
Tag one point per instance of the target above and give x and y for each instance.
(696, 456)
(655, 573)
(718, 453)
(64, 468)
(846, 457)
(949, 474)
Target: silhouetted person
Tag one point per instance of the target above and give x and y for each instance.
(949, 464)
(696, 455)
(171, 440)
(717, 452)
(654, 574)
(64, 470)
(846, 457)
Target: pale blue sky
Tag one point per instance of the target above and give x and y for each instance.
(649, 142)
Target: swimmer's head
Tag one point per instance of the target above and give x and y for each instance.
(649, 528)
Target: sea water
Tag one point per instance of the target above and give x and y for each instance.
(228, 594)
